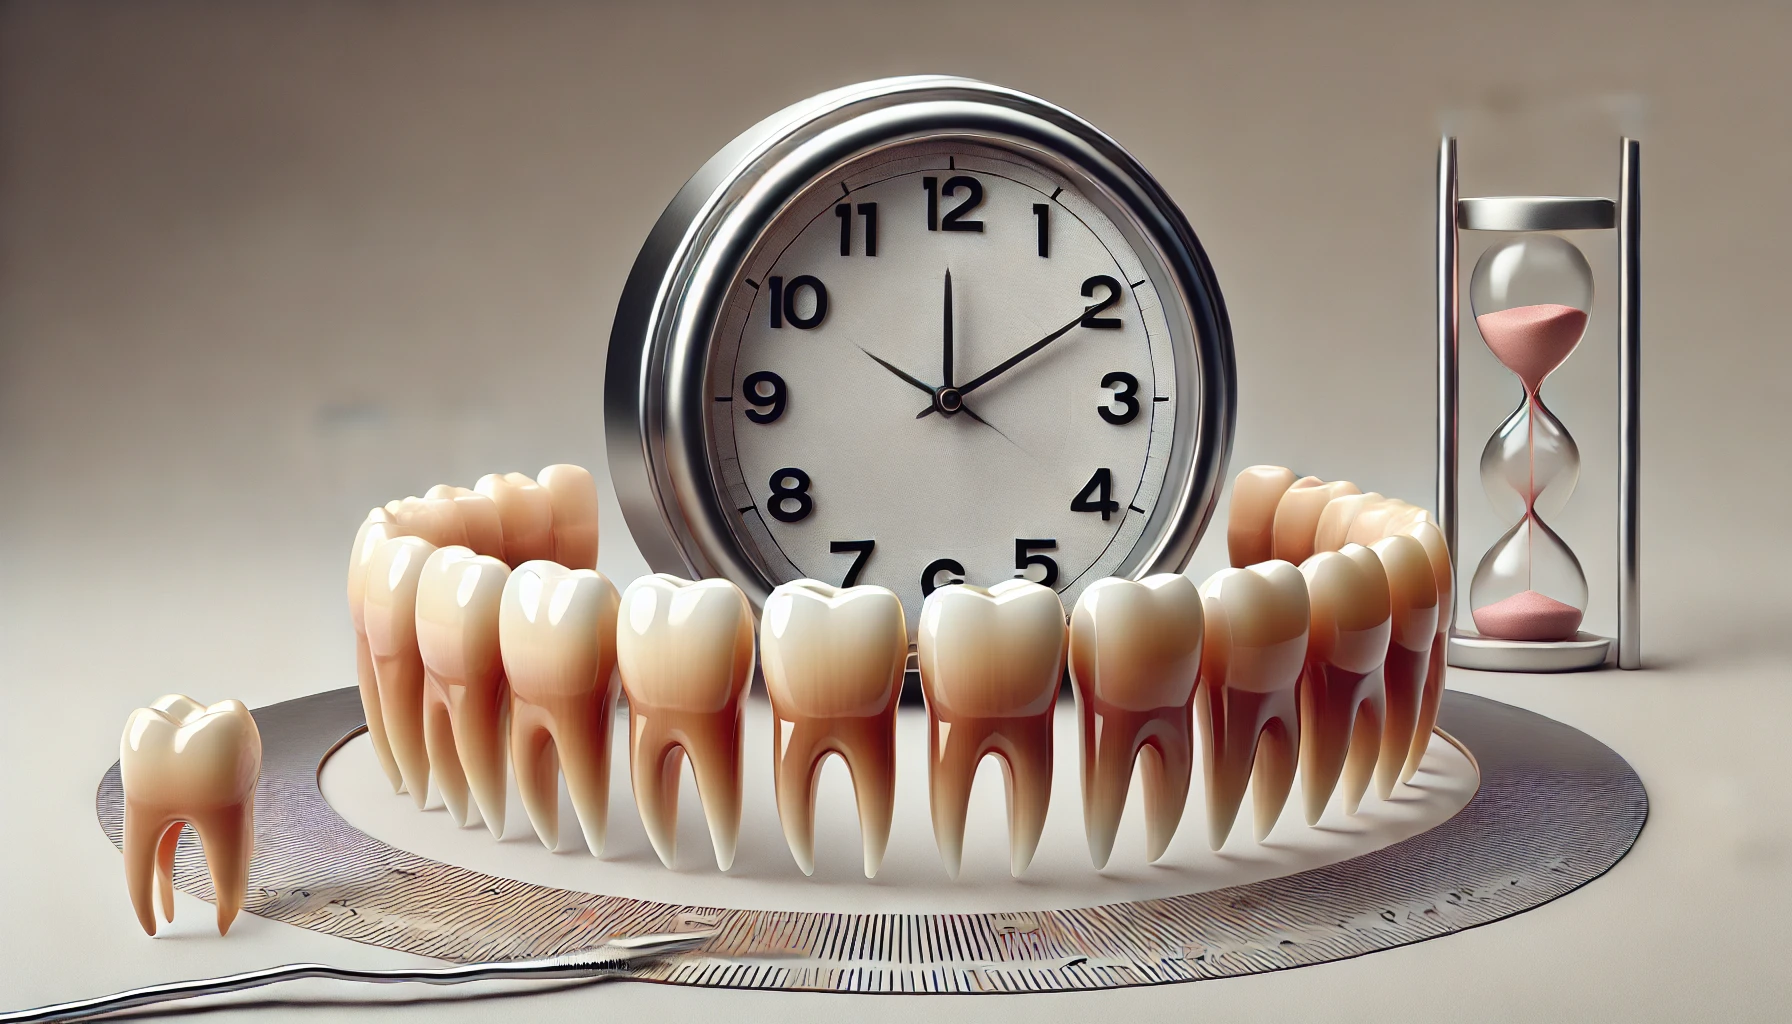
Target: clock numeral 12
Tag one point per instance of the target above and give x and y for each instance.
(862, 548)
(954, 219)
(1096, 495)
(797, 491)
(868, 211)
(784, 302)
(1025, 558)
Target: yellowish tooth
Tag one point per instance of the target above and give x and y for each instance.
(1383, 519)
(527, 513)
(1336, 518)
(375, 530)
(390, 610)
(1342, 693)
(1428, 535)
(1135, 658)
(477, 514)
(465, 697)
(1412, 590)
(1297, 516)
(434, 519)
(1250, 524)
(572, 495)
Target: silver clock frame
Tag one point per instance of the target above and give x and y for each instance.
(656, 415)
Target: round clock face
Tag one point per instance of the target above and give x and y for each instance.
(943, 363)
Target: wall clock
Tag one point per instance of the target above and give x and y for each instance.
(917, 332)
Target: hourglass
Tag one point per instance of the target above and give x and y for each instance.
(1531, 295)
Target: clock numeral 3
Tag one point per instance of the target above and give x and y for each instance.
(930, 580)
(1096, 495)
(772, 400)
(954, 219)
(798, 491)
(862, 548)
(1126, 396)
(1024, 558)
(1090, 320)
(784, 302)
(868, 211)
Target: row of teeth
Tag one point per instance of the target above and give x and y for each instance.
(486, 637)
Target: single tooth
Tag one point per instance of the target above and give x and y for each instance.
(1342, 693)
(1412, 592)
(390, 609)
(434, 519)
(1135, 657)
(464, 694)
(1332, 531)
(184, 763)
(1248, 712)
(480, 526)
(1250, 523)
(572, 494)
(833, 659)
(1297, 516)
(375, 530)
(685, 649)
(991, 661)
(1427, 534)
(527, 515)
(1383, 519)
(557, 632)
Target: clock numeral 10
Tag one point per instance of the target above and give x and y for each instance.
(954, 219)
(868, 211)
(784, 302)
(798, 491)
(1096, 495)
(861, 548)
(1025, 558)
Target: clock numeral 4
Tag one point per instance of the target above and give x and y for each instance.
(861, 548)
(930, 576)
(1025, 557)
(784, 305)
(1127, 396)
(797, 491)
(1096, 495)
(771, 400)
(868, 212)
(1090, 320)
(954, 219)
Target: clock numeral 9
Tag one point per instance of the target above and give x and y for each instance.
(772, 400)
(797, 491)
(861, 548)
(1126, 396)
(1090, 320)
(930, 576)
(1096, 495)
(1024, 558)
(784, 302)
(954, 220)
(869, 212)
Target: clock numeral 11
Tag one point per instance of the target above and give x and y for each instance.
(867, 211)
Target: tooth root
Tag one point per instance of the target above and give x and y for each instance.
(1024, 747)
(1412, 590)
(1250, 522)
(570, 737)
(1247, 736)
(459, 595)
(375, 530)
(1432, 539)
(390, 608)
(438, 743)
(867, 744)
(572, 495)
(1342, 692)
(1297, 516)
(1160, 743)
(661, 741)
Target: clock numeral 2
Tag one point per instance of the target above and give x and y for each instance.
(930, 576)
(954, 219)
(773, 400)
(862, 548)
(1090, 320)
(1096, 495)
(1126, 396)
(1024, 558)
(798, 491)
(868, 211)
(784, 302)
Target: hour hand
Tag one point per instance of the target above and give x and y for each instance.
(898, 371)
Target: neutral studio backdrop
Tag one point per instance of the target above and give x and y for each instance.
(263, 267)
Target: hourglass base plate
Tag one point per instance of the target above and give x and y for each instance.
(1486, 654)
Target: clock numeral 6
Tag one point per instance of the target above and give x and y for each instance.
(797, 491)
(1126, 396)
(1090, 320)
(1096, 495)
(772, 400)
(1024, 559)
(862, 548)
(784, 302)
(930, 576)
(954, 220)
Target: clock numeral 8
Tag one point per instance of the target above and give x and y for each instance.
(1129, 388)
(1024, 558)
(773, 400)
(784, 302)
(798, 491)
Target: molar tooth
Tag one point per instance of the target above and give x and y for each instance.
(1383, 519)
(435, 519)
(527, 513)
(1333, 528)
(1135, 657)
(375, 530)
(184, 763)
(1250, 523)
(1342, 694)
(1412, 591)
(572, 496)
(1427, 534)
(557, 635)
(480, 527)
(1248, 711)
(833, 660)
(390, 610)
(991, 661)
(685, 649)
(465, 697)
(1297, 516)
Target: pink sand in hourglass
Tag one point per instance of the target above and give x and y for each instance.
(1528, 615)
(1532, 341)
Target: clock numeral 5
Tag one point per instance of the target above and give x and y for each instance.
(954, 220)
(773, 399)
(862, 548)
(797, 491)
(868, 211)
(930, 576)
(1025, 558)
(1096, 495)
(784, 302)
(1126, 396)
(1090, 320)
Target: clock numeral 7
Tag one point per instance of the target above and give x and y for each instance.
(1097, 495)
(862, 548)
(954, 220)
(783, 302)
(868, 211)
(1025, 558)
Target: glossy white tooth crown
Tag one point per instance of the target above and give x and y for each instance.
(572, 499)
(992, 652)
(1256, 625)
(1350, 608)
(465, 696)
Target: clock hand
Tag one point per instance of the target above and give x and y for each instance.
(1009, 363)
(897, 370)
(947, 359)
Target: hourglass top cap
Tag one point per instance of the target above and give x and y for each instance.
(1536, 213)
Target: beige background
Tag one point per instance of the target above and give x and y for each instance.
(264, 266)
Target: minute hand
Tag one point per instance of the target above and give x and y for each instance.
(1014, 360)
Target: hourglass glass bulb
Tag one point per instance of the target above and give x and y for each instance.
(1530, 295)
(1530, 462)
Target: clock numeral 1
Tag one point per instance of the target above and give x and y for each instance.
(783, 302)
(1126, 396)
(1101, 323)
(862, 548)
(954, 219)
(1043, 211)
(930, 581)
(1024, 558)
(797, 491)
(868, 212)
(772, 400)
(1096, 495)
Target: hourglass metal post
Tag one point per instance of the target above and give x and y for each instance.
(1532, 296)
